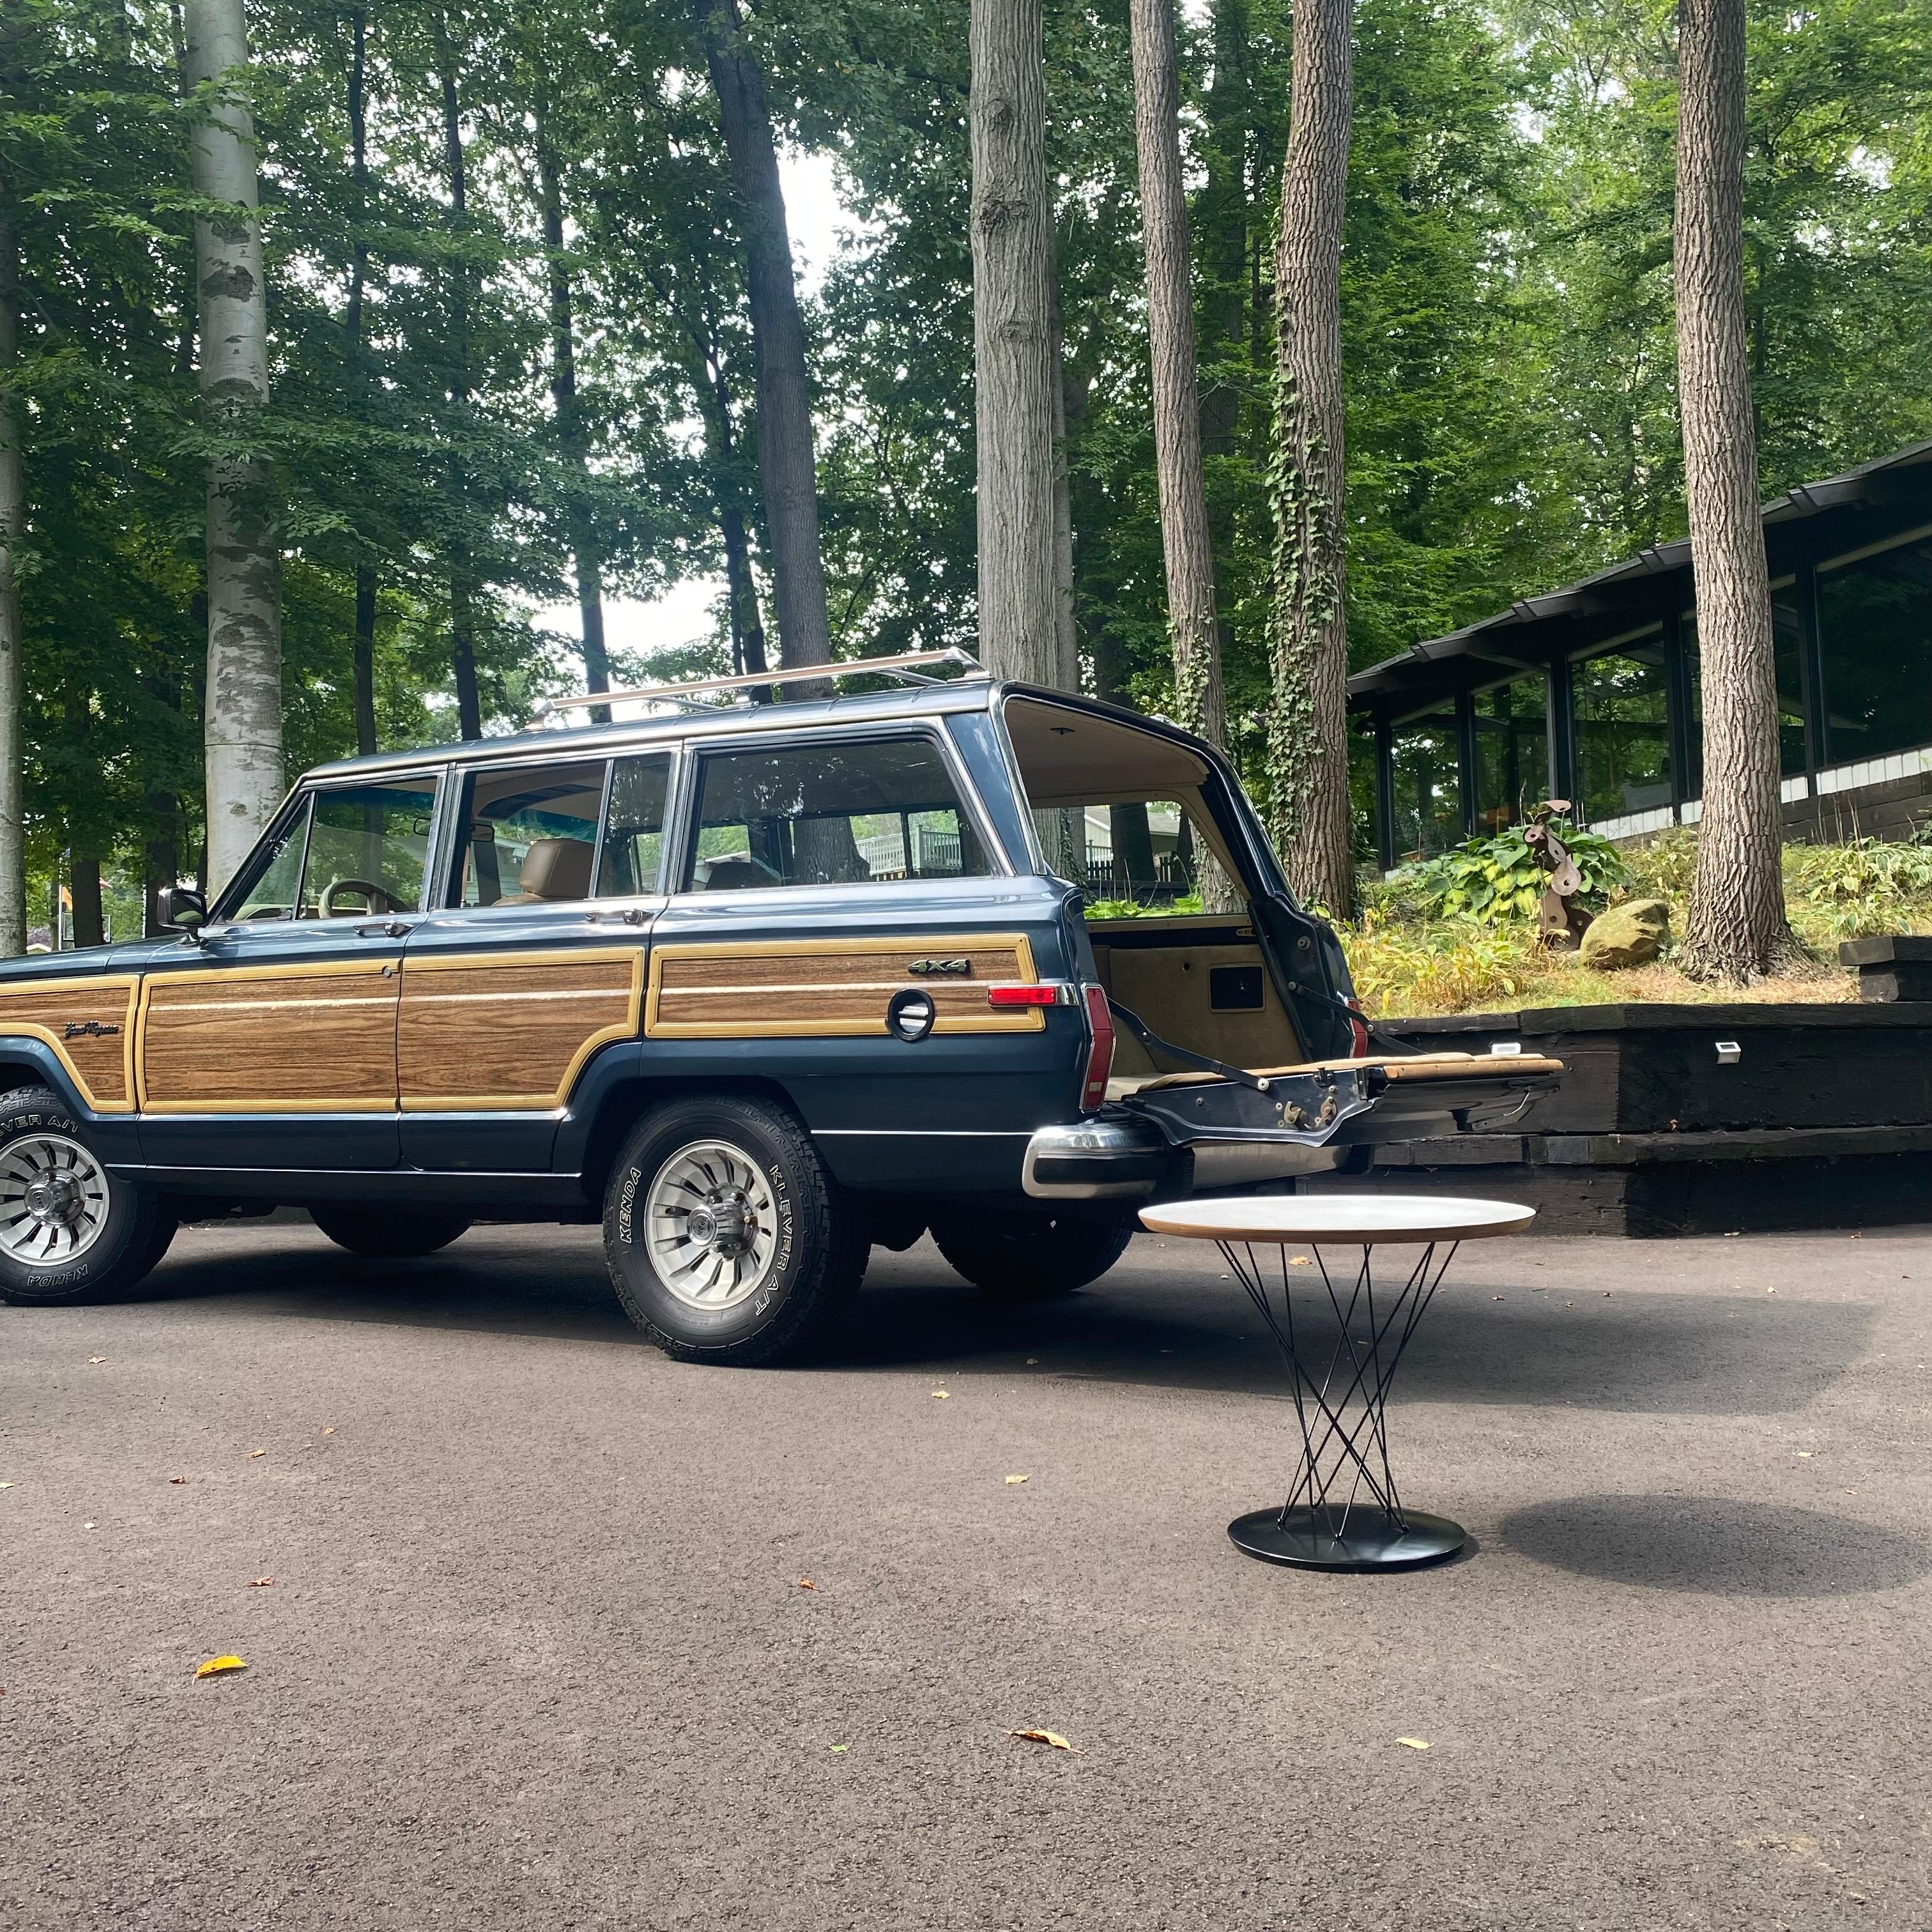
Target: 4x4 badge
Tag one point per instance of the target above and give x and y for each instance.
(957, 968)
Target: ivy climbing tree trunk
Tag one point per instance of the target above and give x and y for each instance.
(242, 735)
(1013, 360)
(787, 466)
(13, 527)
(1736, 928)
(1308, 751)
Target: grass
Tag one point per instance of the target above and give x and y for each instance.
(1409, 961)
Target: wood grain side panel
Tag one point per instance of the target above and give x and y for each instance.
(797, 989)
(510, 1033)
(797, 970)
(271, 1039)
(89, 1023)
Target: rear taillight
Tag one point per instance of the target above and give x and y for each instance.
(1358, 1029)
(1023, 996)
(1100, 1052)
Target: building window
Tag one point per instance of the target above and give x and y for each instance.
(1428, 787)
(1786, 634)
(1623, 735)
(1875, 638)
(1512, 751)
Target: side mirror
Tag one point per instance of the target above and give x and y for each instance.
(184, 907)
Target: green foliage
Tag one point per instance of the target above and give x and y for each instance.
(1177, 907)
(1497, 879)
(1866, 885)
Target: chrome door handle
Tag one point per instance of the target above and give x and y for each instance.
(394, 929)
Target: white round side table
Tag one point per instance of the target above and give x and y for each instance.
(1344, 1511)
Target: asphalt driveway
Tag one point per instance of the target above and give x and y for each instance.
(537, 1652)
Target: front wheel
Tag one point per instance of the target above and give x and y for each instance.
(394, 1234)
(1032, 1257)
(726, 1241)
(69, 1232)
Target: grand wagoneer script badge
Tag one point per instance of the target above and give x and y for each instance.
(88, 1029)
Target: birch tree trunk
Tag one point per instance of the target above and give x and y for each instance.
(1013, 361)
(1186, 546)
(1736, 928)
(787, 468)
(12, 684)
(364, 669)
(1308, 749)
(570, 423)
(460, 558)
(242, 735)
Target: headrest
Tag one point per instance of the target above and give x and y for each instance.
(735, 875)
(557, 869)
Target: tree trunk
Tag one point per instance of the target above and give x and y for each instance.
(1308, 724)
(364, 651)
(243, 731)
(788, 469)
(84, 888)
(570, 425)
(1066, 637)
(160, 858)
(1012, 341)
(1736, 928)
(457, 554)
(364, 698)
(13, 683)
(1186, 546)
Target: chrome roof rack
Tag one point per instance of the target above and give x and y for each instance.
(906, 669)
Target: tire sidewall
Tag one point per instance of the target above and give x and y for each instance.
(107, 1266)
(798, 1210)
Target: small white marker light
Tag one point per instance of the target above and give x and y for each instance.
(1729, 1053)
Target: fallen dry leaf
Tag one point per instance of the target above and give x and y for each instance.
(253, 1453)
(6, 1485)
(1415, 1744)
(215, 1665)
(1052, 1738)
(1808, 1454)
(806, 1583)
(328, 1431)
(96, 1360)
(90, 1525)
(262, 1583)
(1019, 1479)
(942, 1395)
(177, 1479)
(839, 1747)
(1300, 1260)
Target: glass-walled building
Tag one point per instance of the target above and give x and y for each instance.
(1594, 693)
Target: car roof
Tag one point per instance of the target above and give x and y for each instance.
(961, 695)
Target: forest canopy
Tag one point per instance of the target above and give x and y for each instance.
(1506, 312)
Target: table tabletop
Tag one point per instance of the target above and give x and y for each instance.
(1360, 1220)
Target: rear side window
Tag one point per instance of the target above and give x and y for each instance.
(530, 833)
(853, 814)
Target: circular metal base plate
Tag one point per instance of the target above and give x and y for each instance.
(1305, 1539)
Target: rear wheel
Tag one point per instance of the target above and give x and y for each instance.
(1032, 1257)
(726, 1241)
(69, 1232)
(391, 1233)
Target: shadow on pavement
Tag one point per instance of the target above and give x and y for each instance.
(1714, 1544)
(1161, 1321)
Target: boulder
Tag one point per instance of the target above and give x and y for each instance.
(1630, 934)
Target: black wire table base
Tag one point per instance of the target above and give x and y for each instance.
(1343, 1511)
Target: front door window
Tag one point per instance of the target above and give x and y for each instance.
(351, 852)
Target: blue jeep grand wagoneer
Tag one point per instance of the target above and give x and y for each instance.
(760, 984)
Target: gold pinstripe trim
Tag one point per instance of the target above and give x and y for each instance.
(77, 983)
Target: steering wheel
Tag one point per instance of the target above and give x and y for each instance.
(376, 898)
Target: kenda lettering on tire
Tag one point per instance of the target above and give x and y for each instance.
(624, 1201)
